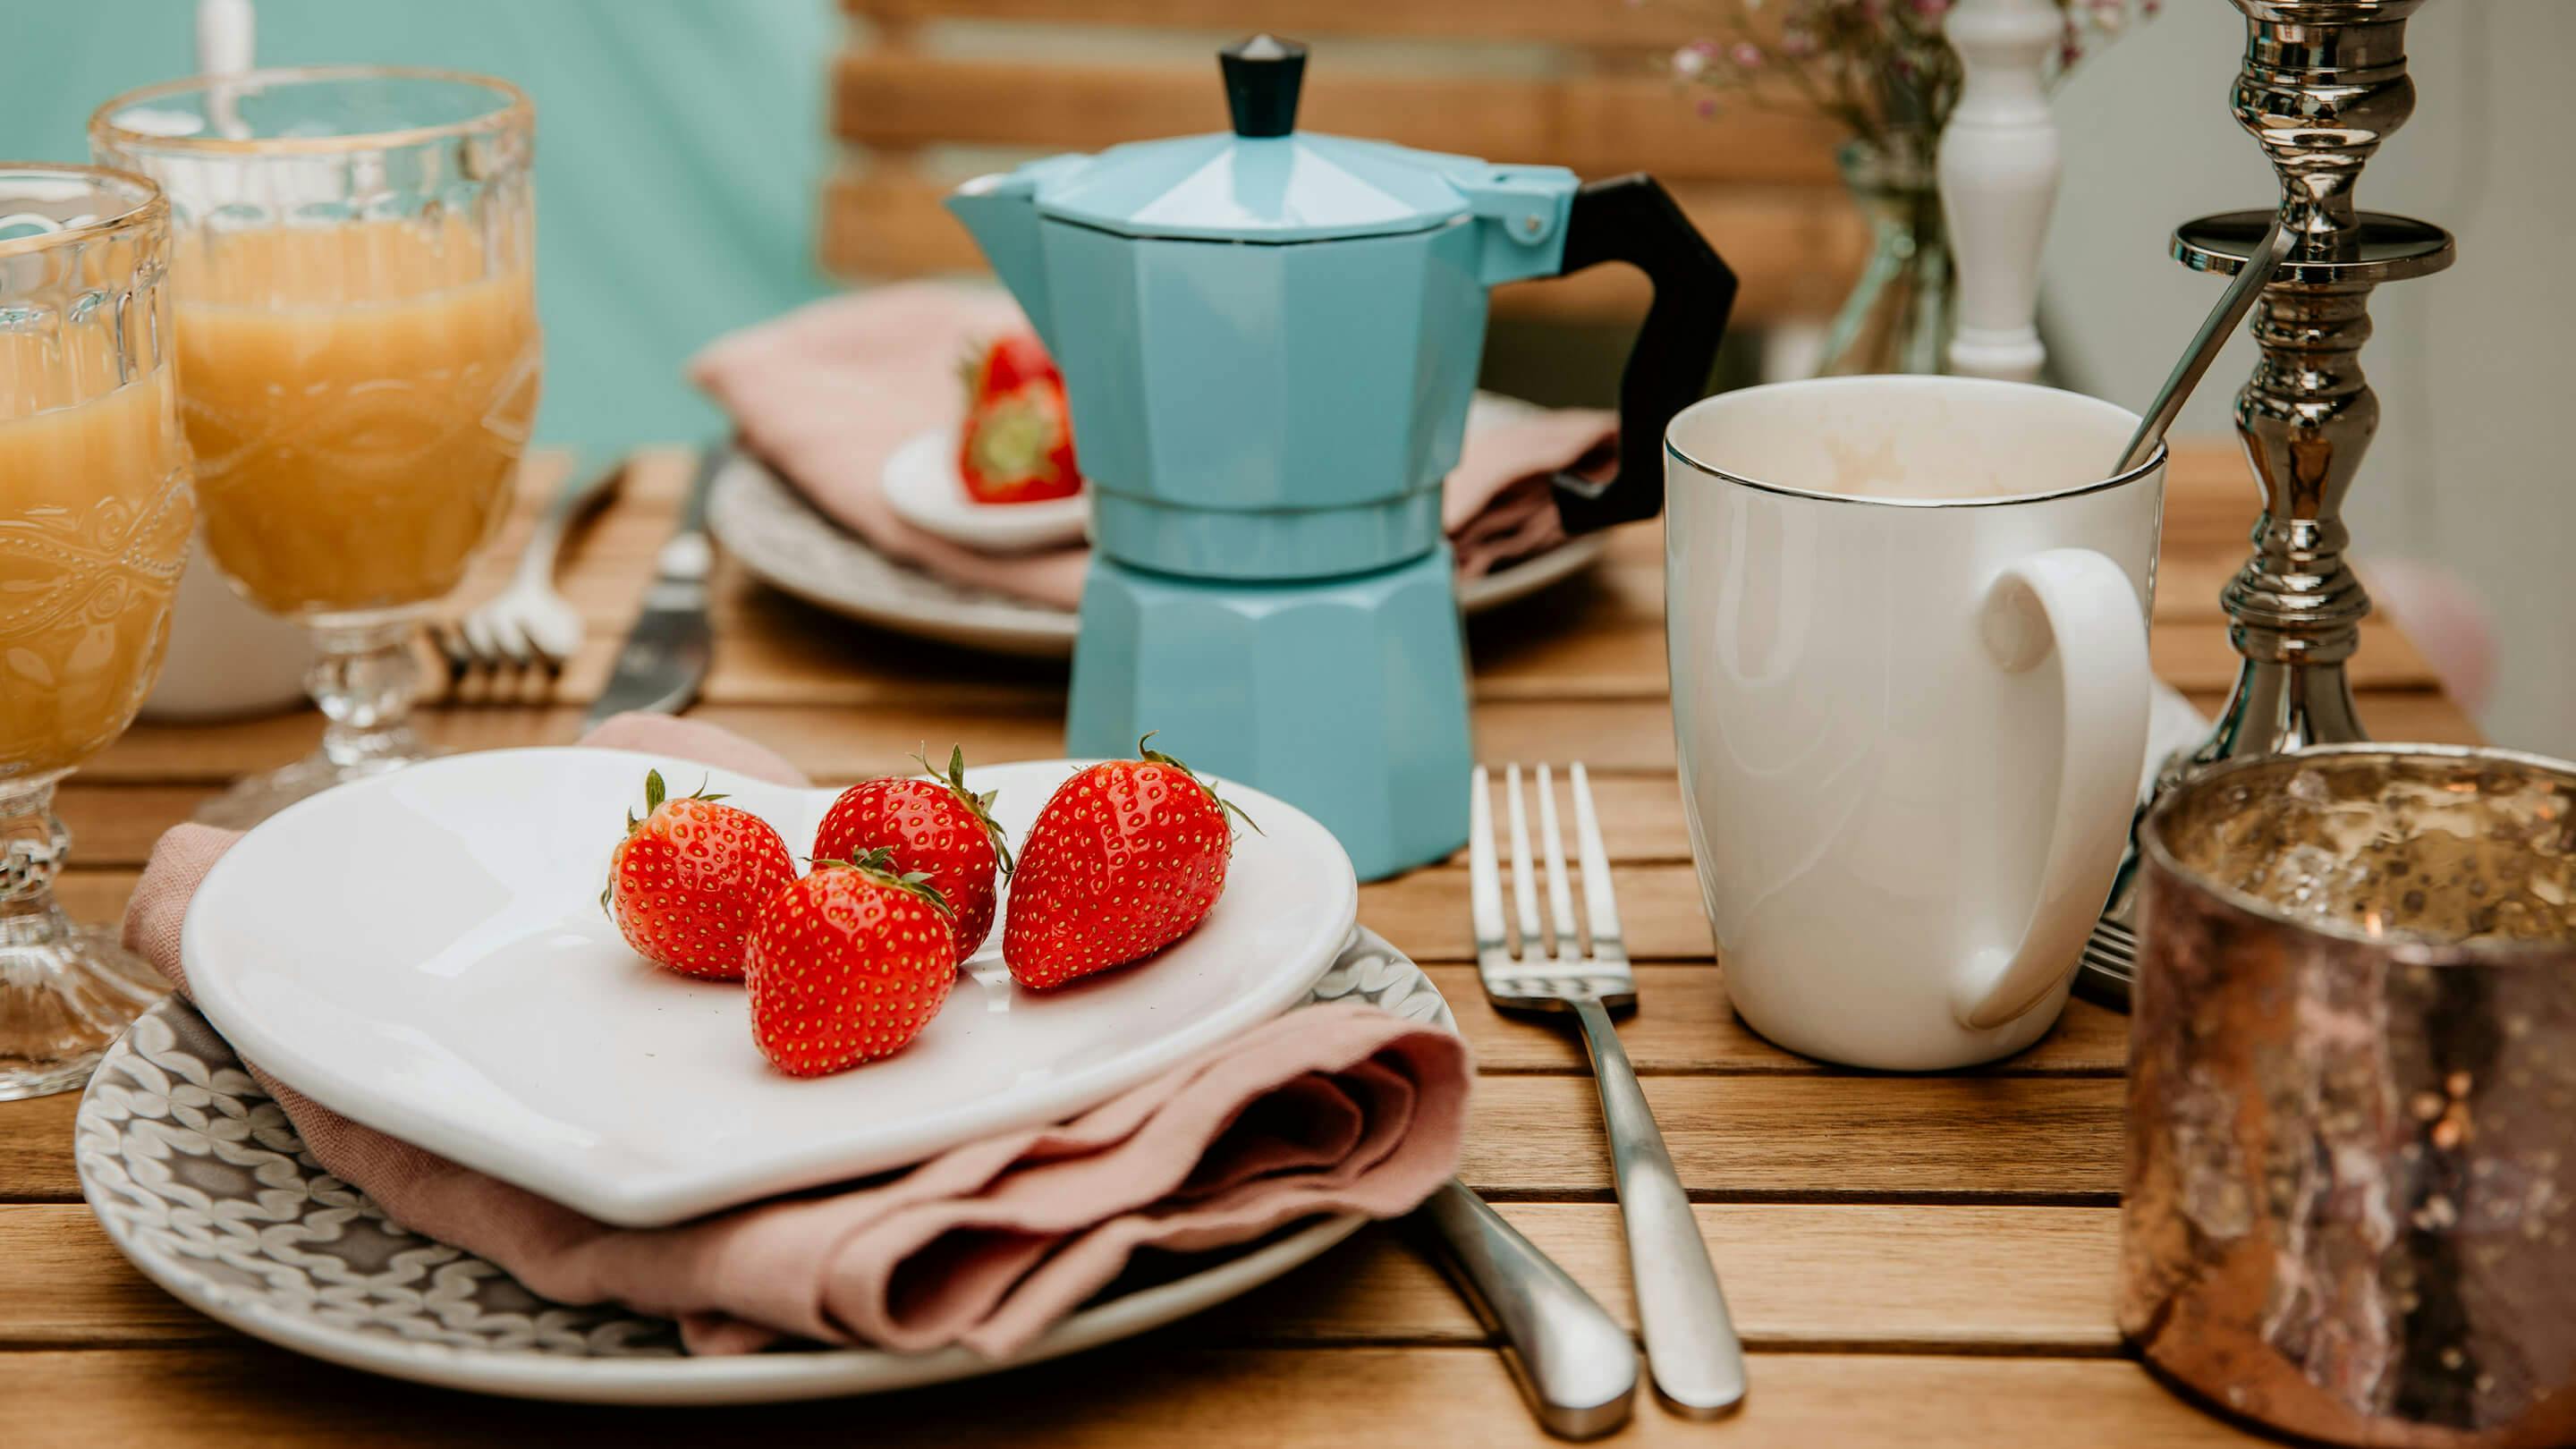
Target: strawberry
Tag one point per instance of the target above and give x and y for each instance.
(1126, 858)
(684, 883)
(847, 965)
(1016, 445)
(937, 827)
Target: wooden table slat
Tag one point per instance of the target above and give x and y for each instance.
(849, 742)
(1161, 1391)
(1797, 1276)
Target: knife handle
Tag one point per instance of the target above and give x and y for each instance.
(1572, 1360)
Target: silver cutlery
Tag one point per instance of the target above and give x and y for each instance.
(1572, 1360)
(2110, 958)
(528, 624)
(665, 656)
(1691, 1348)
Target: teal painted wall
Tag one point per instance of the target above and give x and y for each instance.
(680, 147)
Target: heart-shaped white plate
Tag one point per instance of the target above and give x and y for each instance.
(424, 952)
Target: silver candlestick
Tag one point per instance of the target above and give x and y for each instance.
(2323, 83)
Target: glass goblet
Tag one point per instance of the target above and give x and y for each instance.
(95, 511)
(356, 321)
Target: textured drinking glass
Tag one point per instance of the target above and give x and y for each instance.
(94, 519)
(359, 354)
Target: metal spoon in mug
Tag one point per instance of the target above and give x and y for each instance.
(2110, 959)
(2215, 329)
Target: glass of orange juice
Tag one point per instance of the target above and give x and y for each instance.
(358, 358)
(94, 517)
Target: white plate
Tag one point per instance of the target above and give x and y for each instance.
(924, 488)
(424, 951)
(200, 1180)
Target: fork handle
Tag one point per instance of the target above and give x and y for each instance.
(1572, 1360)
(1691, 1347)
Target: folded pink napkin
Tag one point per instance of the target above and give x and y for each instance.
(829, 391)
(1328, 1109)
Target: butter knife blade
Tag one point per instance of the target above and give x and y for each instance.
(665, 656)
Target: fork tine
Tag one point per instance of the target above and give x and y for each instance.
(482, 650)
(1600, 902)
(1524, 886)
(451, 647)
(1560, 901)
(514, 644)
(530, 656)
(1484, 881)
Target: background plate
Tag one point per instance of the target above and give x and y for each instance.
(780, 537)
(424, 951)
(201, 1181)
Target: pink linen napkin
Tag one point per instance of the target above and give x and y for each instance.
(1328, 1109)
(829, 391)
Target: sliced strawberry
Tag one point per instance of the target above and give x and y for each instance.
(1016, 443)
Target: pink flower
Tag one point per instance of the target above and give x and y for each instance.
(1707, 107)
(1797, 42)
(1689, 61)
(1746, 55)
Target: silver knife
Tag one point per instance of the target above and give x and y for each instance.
(665, 655)
(1575, 1365)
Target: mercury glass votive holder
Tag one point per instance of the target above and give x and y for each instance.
(2350, 1207)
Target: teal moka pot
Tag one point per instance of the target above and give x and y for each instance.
(1269, 338)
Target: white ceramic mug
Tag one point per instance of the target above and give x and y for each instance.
(1907, 620)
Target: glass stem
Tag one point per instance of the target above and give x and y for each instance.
(33, 843)
(364, 682)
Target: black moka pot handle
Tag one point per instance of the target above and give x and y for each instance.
(1633, 219)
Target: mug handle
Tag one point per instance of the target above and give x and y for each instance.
(2033, 611)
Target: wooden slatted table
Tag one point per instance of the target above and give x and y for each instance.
(1925, 1260)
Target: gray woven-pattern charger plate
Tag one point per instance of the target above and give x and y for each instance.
(201, 1181)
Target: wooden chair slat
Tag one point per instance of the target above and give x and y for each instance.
(1794, 250)
(1544, 20)
(1596, 124)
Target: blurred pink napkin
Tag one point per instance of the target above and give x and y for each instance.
(1328, 1109)
(829, 391)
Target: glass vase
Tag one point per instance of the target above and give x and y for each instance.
(1898, 316)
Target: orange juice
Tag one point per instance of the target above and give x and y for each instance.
(94, 519)
(357, 397)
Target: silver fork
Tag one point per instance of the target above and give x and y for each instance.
(1691, 1347)
(528, 624)
(2109, 965)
